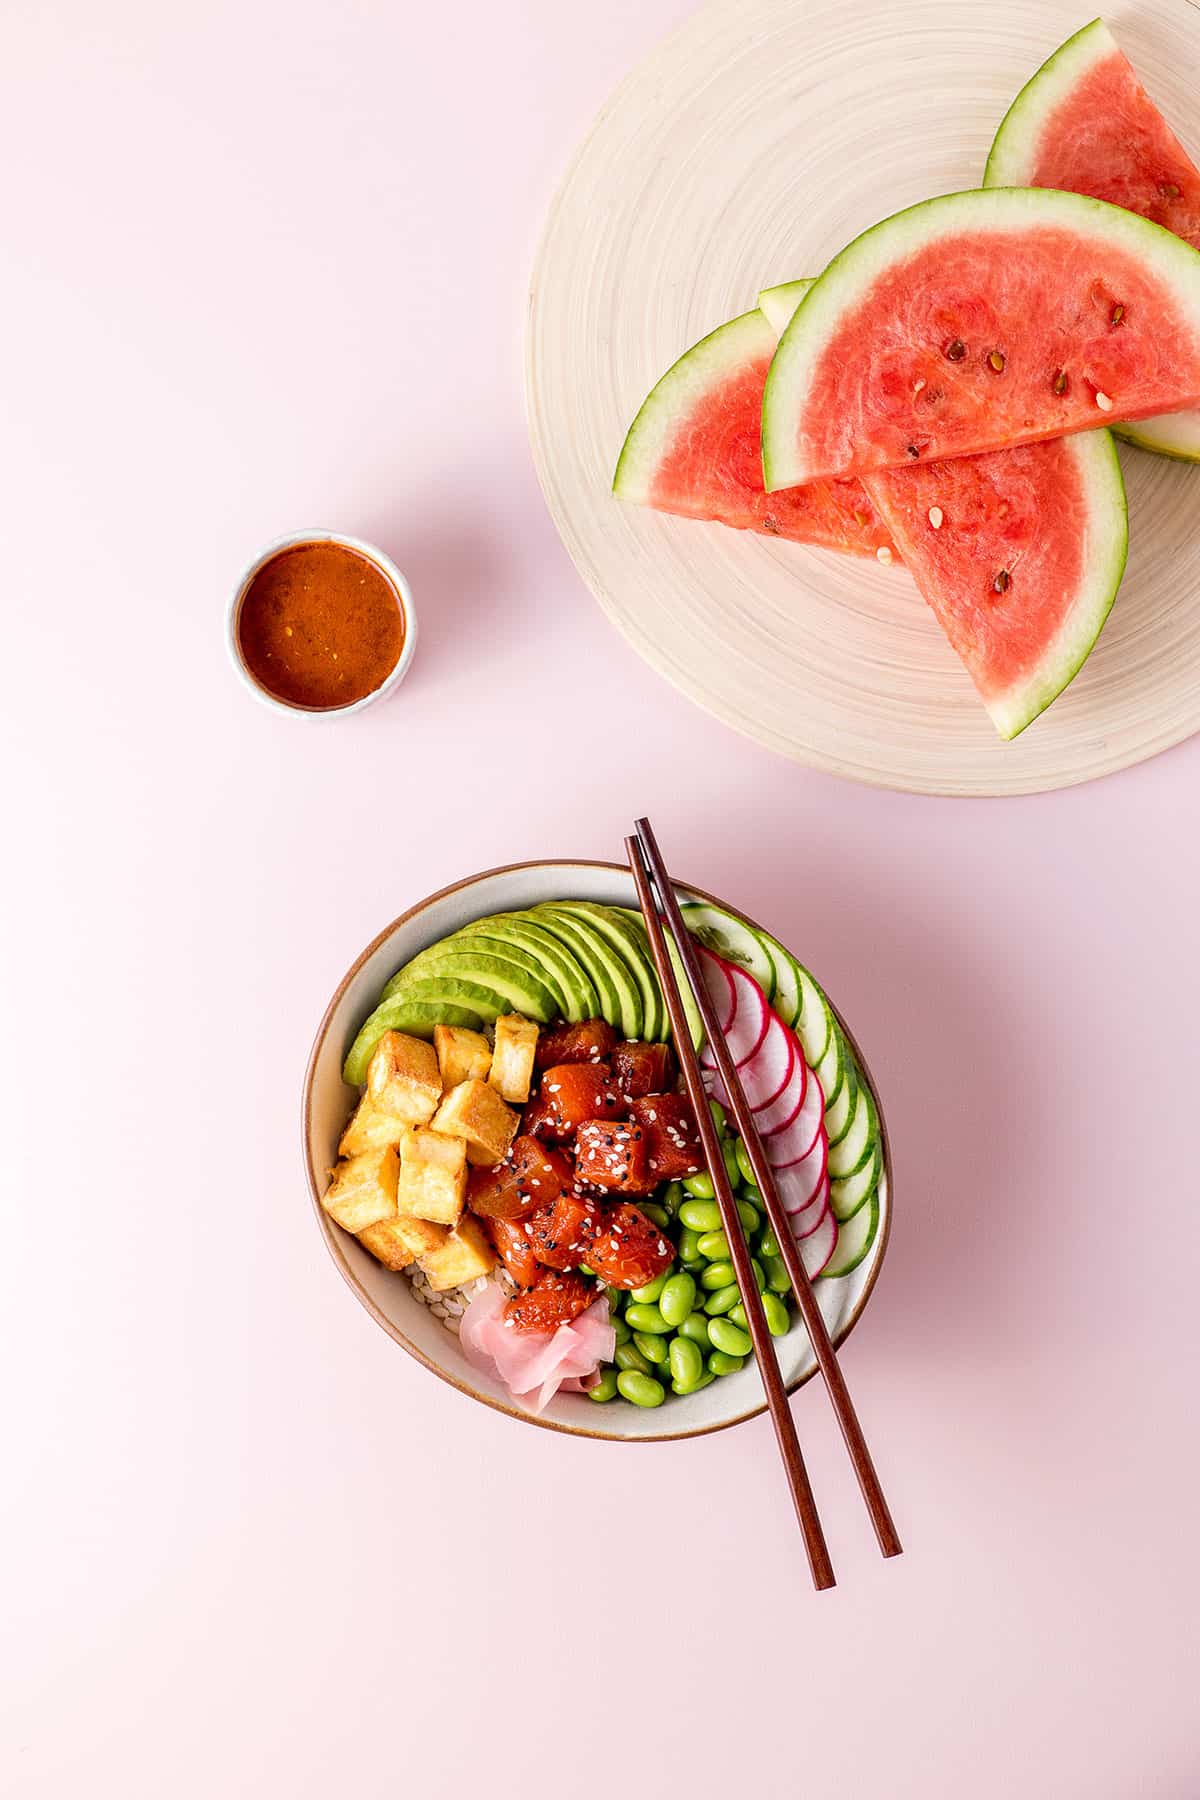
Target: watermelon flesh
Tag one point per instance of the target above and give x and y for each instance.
(1019, 553)
(694, 450)
(978, 321)
(1085, 123)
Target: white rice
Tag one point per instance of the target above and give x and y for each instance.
(450, 1305)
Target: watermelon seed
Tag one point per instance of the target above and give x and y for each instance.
(1060, 382)
(884, 554)
(935, 517)
(912, 449)
(770, 523)
(996, 361)
(1118, 313)
(1169, 190)
(1002, 582)
(955, 350)
(1103, 402)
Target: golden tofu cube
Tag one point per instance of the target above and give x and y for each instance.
(388, 1244)
(403, 1077)
(418, 1235)
(466, 1254)
(370, 1129)
(462, 1055)
(433, 1176)
(474, 1111)
(363, 1190)
(512, 1060)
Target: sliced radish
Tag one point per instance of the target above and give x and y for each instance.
(798, 1136)
(719, 983)
(805, 1223)
(816, 1247)
(800, 1185)
(746, 1030)
(783, 1109)
(776, 1073)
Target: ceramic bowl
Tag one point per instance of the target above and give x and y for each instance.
(389, 1298)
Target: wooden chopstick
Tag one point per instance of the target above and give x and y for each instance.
(810, 1311)
(739, 1251)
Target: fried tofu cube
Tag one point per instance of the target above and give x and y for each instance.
(370, 1129)
(433, 1176)
(419, 1235)
(403, 1078)
(363, 1189)
(475, 1112)
(462, 1055)
(513, 1057)
(388, 1244)
(466, 1254)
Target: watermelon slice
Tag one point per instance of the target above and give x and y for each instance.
(1018, 552)
(1085, 122)
(694, 449)
(978, 321)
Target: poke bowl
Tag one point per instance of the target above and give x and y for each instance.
(506, 1175)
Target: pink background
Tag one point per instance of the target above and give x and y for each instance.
(263, 268)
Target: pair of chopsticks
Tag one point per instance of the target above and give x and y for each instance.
(650, 875)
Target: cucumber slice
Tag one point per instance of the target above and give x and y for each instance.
(840, 1110)
(851, 1151)
(733, 940)
(787, 997)
(855, 1238)
(831, 1070)
(628, 946)
(814, 1027)
(416, 1017)
(847, 1195)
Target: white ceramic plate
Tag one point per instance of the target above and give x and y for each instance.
(747, 150)
(388, 1297)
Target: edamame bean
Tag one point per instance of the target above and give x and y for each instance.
(616, 1298)
(672, 1196)
(718, 1364)
(645, 1296)
(714, 1246)
(778, 1319)
(768, 1243)
(723, 1301)
(700, 1215)
(759, 1273)
(731, 1340)
(621, 1331)
(642, 1390)
(687, 1364)
(695, 1327)
(694, 1387)
(605, 1388)
(653, 1210)
(700, 1185)
(745, 1166)
(718, 1115)
(689, 1242)
(777, 1275)
(647, 1318)
(749, 1215)
(654, 1349)
(729, 1152)
(677, 1298)
(716, 1275)
(738, 1315)
(584, 1270)
(629, 1357)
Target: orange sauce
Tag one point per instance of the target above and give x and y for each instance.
(320, 626)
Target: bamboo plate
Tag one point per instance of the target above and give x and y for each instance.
(748, 149)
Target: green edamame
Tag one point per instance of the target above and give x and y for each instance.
(723, 1301)
(695, 1327)
(768, 1243)
(714, 1246)
(717, 1275)
(677, 1298)
(621, 1330)
(738, 1315)
(729, 1152)
(629, 1358)
(745, 1166)
(777, 1276)
(759, 1273)
(646, 1296)
(749, 1215)
(777, 1316)
(700, 1185)
(687, 1364)
(718, 1364)
(654, 1349)
(647, 1318)
(672, 1196)
(605, 1387)
(729, 1339)
(718, 1115)
(653, 1210)
(689, 1244)
(693, 1387)
(700, 1215)
(616, 1298)
(642, 1390)
(590, 1273)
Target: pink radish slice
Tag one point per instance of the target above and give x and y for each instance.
(783, 1108)
(746, 1030)
(799, 1185)
(770, 1079)
(718, 982)
(816, 1247)
(798, 1136)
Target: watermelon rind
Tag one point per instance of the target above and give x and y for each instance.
(698, 373)
(780, 302)
(849, 277)
(1011, 162)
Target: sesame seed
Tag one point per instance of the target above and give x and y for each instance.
(935, 517)
(1103, 402)
(883, 554)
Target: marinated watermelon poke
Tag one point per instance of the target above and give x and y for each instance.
(940, 397)
(523, 1153)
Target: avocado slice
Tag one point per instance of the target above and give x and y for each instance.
(695, 1023)
(628, 946)
(416, 1017)
(621, 1000)
(477, 944)
(471, 979)
(563, 968)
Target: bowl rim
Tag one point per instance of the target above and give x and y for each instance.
(332, 1236)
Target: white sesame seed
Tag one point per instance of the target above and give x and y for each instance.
(1103, 402)
(935, 517)
(884, 554)
(918, 385)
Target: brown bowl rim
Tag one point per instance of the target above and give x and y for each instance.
(332, 1235)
